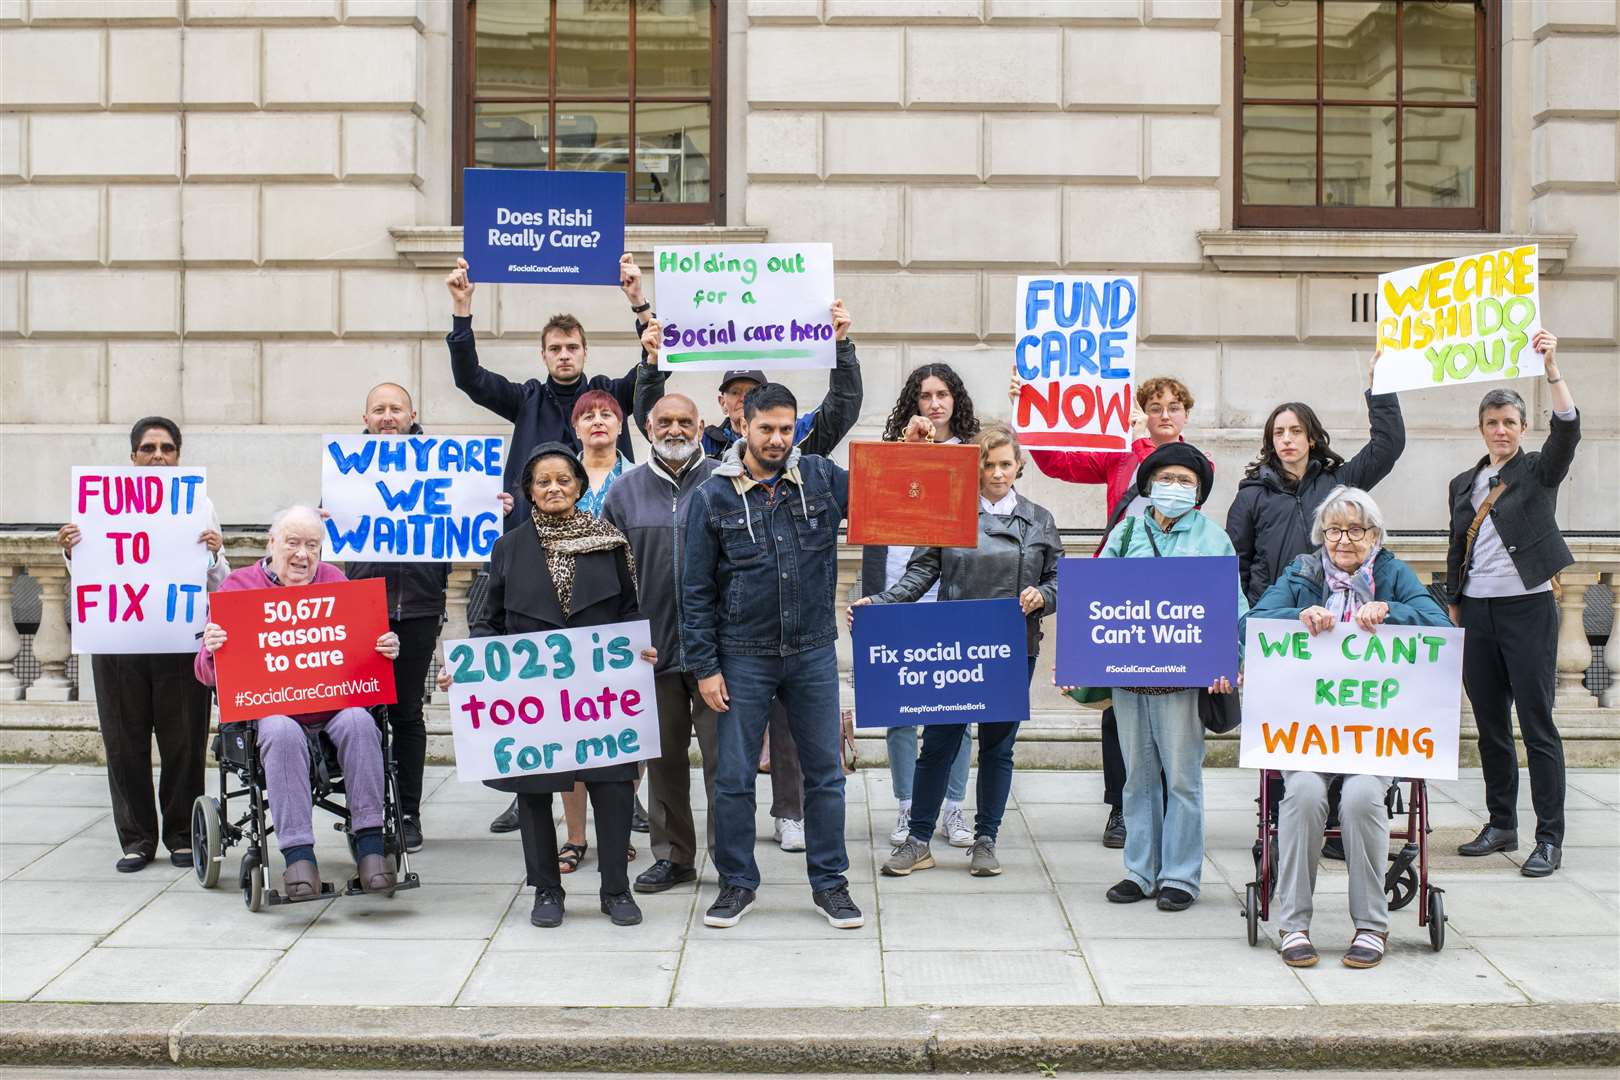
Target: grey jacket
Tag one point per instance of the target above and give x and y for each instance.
(1014, 553)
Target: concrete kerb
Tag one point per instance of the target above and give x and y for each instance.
(894, 1040)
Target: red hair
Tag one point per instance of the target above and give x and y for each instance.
(596, 399)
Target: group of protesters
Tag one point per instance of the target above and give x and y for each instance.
(726, 540)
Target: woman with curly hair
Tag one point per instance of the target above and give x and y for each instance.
(935, 393)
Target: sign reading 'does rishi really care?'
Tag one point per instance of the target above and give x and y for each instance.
(761, 306)
(1465, 320)
(1348, 701)
(140, 573)
(1074, 352)
(536, 227)
(301, 649)
(948, 662)
(411, 498)
(1147, 622)
(552, 701)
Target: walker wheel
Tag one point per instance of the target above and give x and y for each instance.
(1251, 911)
(1437, 919)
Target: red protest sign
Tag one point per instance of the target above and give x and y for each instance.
(916, 495)
(301, 649)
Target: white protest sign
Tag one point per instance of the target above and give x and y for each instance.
(1465, 320)
(1349, 701)
(553, 701)
(750, 306)
(411, 498)
(140, 575)
(1074, 351)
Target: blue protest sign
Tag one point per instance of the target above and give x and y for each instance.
(950, 662)
(538, 227)
(1147, 622)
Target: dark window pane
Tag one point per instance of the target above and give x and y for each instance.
(672, 153)
(1437, 158)
(593, 47)
(672, 47)
(595, 138)
(1279, 49)
(1437, 48)
(1358, 50)
(512, 40)
(1279, 155)
(509, 136)
(1358, 155)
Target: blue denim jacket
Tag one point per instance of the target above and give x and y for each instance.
(761, 572)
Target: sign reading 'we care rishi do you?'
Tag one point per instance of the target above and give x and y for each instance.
(411, 498)
(1074, 352)
(763, 306)
(536, 227)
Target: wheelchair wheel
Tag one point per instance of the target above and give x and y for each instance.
(251, 879)
(205, 841)
(1251, 911)
(1404, 888)
(1437, 920)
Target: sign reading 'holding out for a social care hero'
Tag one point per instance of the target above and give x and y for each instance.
(536, 227)
(753, 306)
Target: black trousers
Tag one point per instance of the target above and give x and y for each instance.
(681, 714)
(1113, 761)
(417, 638)
(613, 801)
(1510, 660)
(139, 696)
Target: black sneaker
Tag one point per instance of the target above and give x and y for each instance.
(1114, 831)
(506, 821)
(838, 907)
(1126, 892)
(412, 828)
(548, 907)
(1174, 899)
(728, 908)
(664, 874)
(622, 909)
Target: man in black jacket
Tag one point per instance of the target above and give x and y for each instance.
(1504, 552)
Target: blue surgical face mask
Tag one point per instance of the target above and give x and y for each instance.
(1173, 500)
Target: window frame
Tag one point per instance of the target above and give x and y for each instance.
(464, 96)
(1487, 109)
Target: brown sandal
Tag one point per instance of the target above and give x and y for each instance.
(1366, 949)
(569, 856)
(1297, 950)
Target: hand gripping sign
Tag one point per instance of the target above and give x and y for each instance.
(552, 701)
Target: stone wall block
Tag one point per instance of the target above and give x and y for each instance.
(343, 223)
(1574, 153)
(130, 146)
(269, 11)
(862, 222)
(342, 372)
(395, 302)
(976, 225)
(352, 66)
(1138, 226)
(115, 12)
(381, 146)
(143, 224)
(1575, 75)
(143, 67)
(50, 69)
(1594, 218)
(222, 68)
(219, 382)
(792, 66)
(243, 303)
(13, 138)
(1184, 147)
(784, 144)
(1140, 68)
(1011, 66)
(1073, 146)
(82, 302)
(871, 144)
(1218, 306)
(51, 384)
(219, 222)
(1088, 11)
(143, 379)
(228, 146)
(904, 304)
(45, 223)
(1579, 311)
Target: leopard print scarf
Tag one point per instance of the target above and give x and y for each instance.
(563, 536)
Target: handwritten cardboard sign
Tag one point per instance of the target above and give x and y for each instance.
(537, 227)
(140, 575)
(302, 648)
(552, 701)
(1465, 320)
(1349, 701)
(949, 662)
(411, 498)
(913, 495)
(1074, 351)
(749, 306)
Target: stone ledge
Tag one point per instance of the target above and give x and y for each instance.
(1361, 252)
(436, 247)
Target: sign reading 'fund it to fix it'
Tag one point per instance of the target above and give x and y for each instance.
(765, 306)
(1075, 356)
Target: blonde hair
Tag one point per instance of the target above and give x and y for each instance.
(997, 433)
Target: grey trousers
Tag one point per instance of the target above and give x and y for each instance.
(284, 751)
(681, 714)
(1364, 821)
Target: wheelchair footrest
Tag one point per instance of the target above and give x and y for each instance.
(406, 881)
(275, 899)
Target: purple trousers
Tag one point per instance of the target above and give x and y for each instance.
(284, 750)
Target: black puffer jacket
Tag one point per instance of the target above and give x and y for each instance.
(415, 589)
(1270, 522)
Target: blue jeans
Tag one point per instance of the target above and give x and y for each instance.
(903, 762)
(807, 684)
(996, 742)
(1164, 843)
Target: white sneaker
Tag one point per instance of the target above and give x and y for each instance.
(955, 828)
(790, 834)
(902, 826)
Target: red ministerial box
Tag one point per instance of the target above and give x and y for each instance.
(913, 494)
(301, 649)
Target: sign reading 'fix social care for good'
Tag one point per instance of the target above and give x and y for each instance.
(913, 495)
(1147, 622)
(552, 701)
(411, 498)
(301, 649)
(139, 570)
(536, 227)
(760, 306)
(1074, 351)
(1385, 703)
(949, 662)
(1465, 320)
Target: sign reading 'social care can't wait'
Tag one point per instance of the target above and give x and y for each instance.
(537, 227)
(1074, 351)
(411, 498)
(752, 306)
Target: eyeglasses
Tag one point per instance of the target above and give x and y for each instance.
(1176, 481)
(1334, 534)
(1165, 410)
(156, 448)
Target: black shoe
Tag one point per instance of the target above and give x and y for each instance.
(638, 818)
(1114, 831)
(412, 828)
(1174, 899)
(1491, 839)
(1543, 860)
(664, 874)
(1126, 892)
(507, 821)
(622, 909)
(180, 858)
(1333, 848)
(136, 861)
(838, 907)
(548, 908)
(729, 907)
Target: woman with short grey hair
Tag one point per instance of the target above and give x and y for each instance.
(1350, 577)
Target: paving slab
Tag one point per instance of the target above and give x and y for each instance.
(1564, 969)
(164, 975)
(20, 825)
(737, 973)
(191, 917)
(73, 907)
(1184, 971)
(642, 979)
(1005, 977)
(339, 971)
(1528, 907)
(13, 857)
(1216, 915)
(429, 911)
(61, 785)
(29, 961)
(90, 857)
(587, 932)
(999, 921)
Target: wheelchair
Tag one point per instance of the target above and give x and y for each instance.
(214, 831)
(1406, 880)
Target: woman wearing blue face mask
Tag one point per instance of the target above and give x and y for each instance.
(1159, 727)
